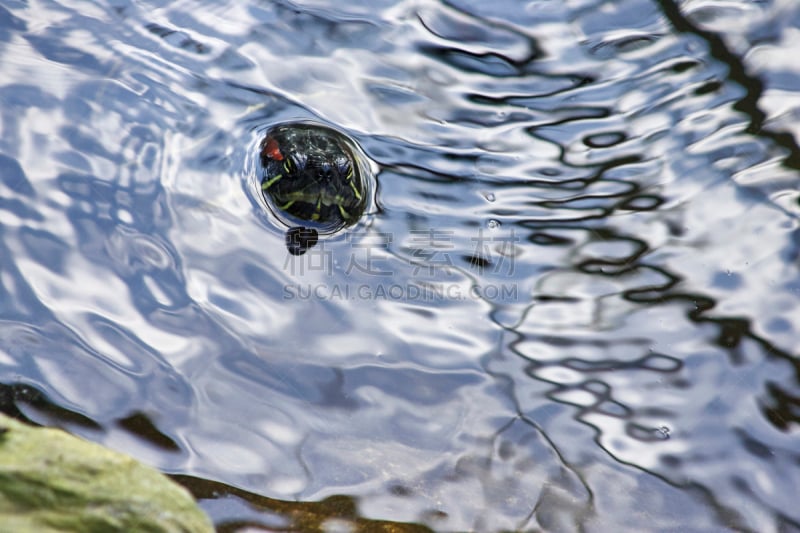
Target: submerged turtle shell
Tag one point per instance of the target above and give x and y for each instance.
(312, 176)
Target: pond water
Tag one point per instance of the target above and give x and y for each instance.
(572, 306)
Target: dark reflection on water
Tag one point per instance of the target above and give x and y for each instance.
(574, 305)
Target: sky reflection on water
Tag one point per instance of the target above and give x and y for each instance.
(596, 203)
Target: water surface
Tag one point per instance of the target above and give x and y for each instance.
(573, 306)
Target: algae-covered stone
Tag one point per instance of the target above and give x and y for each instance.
(52, 481)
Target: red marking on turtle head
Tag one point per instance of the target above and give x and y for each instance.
(271, 150)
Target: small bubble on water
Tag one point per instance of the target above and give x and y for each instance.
(493, 224)
(489, 196)
(125, 216)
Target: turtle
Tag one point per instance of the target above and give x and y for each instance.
(313, 180)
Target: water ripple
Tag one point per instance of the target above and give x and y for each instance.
(578, 281)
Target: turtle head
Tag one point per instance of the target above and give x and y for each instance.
(312, 177)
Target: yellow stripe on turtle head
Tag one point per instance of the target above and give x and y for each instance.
(315, 216)
(266, 185)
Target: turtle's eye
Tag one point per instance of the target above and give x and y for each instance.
(343, 167)
(296, 162)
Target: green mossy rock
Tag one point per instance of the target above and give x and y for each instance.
(52, 481)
